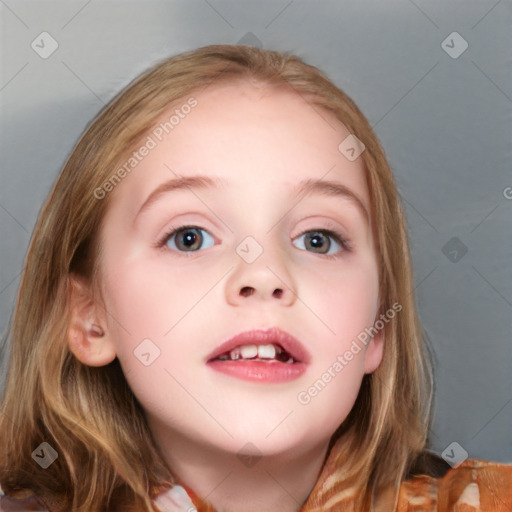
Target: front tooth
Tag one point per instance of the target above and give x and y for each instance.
(266, 352)
(249, 351)
(235, 354)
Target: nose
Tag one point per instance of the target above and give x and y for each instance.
(267, 279)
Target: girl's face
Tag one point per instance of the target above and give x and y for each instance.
(258, 246)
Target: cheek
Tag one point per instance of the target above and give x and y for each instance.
(347, 302)
(146, 298)
(153, 309)
(348, 306)
(147, 306)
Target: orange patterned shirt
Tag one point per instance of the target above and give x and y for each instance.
(473, 486)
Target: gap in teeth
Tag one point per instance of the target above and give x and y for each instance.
(266, 352)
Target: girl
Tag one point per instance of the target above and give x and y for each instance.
(216, 311)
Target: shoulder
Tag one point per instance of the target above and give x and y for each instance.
(11, 504)
(474, 485)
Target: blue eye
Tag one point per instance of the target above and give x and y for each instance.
(188, 239)
(321, 241)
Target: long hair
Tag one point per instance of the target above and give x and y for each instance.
(107, 458)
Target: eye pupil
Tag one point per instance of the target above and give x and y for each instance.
(317, 241)
(191, 239)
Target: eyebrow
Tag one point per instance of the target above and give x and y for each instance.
(304, 188)
(332, 189)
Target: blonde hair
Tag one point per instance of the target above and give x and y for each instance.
(106, 455)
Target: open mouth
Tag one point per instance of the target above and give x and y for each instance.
(265, 355)
(269, 353)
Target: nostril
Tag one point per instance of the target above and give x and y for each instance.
(246, 291)
(278, 293)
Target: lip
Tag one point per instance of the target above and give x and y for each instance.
(262, 371)
(262, 337)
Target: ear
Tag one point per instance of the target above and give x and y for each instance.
(88, 338)
(374, 352)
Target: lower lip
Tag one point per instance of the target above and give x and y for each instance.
(258, 371)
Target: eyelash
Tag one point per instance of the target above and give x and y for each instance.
(342, 241)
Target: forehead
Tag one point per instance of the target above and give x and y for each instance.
(249, 135)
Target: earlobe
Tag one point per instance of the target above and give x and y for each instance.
(374, 353)
(88, 337)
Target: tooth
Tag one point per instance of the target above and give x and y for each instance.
(266, 352)
(235, 354)
(249, 351)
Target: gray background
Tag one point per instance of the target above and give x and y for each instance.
(445, 124)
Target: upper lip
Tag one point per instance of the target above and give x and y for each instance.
(263, 337)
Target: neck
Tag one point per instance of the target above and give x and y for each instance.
(234, 483)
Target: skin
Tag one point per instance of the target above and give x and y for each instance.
(262, 142)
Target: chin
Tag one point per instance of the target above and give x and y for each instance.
(258, 439)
